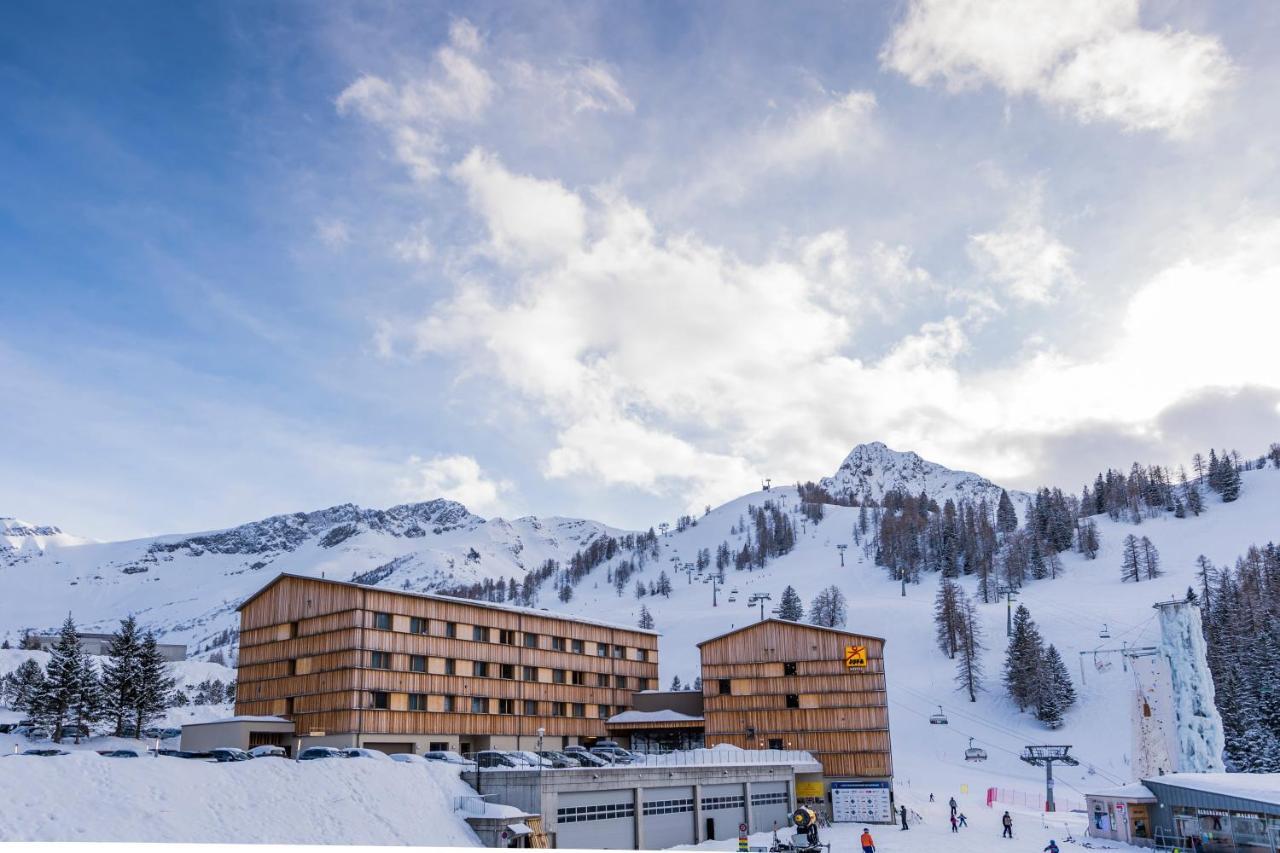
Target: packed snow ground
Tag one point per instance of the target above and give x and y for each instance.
(86, 797)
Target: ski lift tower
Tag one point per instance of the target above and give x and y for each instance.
(1046, 756)
(759, 598)
(767, 484)
(841, 548)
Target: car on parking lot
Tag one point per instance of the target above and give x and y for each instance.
(584, 757)
(225, 754)
(408, 758)
(74, 731)
(358, 752)
(165, 734)
(492, 759)
(532, 759)
(44, 753)
(313, 753)
(119, 753)
(268, 751)
(448, 757)
(559, 759)
(613, 754)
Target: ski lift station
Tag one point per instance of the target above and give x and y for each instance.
(1210, 812)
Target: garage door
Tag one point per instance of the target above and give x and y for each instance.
(770, 805)
(668, 817)
(723, 808)
(389, 748)
(604, 820)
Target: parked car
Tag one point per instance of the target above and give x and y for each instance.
(489, 759)
(613, 754)
(74, 731)
(226, 754)
(531, 759)
(36, 733)
(119, 753)
(313, 753)
(408, 758)
(268, 751)
(45, 753)
(151, 732)
(165, 734)
(357, 752)
(448, 757)
(559, 759)
(5, 728)
(584, 757)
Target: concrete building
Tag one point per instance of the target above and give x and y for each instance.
(240, 732)
(1204, 812)
(98, 644)
(356, 665)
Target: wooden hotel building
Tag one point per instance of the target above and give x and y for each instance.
(355, 665)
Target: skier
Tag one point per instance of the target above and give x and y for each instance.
(1007, 823)
(868, 846)
(952, 803)
(931, 798)
(903, 811)
(1052, 848)
(964, 821)
(955, 826)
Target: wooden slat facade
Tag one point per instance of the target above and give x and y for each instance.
(327, 654)
(779, 683)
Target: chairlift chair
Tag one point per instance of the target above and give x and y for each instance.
(1105, 633)
(974, 753)
(938, 719)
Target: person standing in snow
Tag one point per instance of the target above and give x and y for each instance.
(1007, 823)
(952, 803)
(964, 821)
(868, 846)
(931, 798)
(903, 811)
(955, 826)
(1052, 848)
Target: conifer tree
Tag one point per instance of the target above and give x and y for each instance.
(697, 684)
(790, 607)
(675, 683)
(947, 617)
(26, 685)
(1006, 516)
(87, 707)
(829, 608)
(1229, 480)
(1131, 560)
(1150, 559)
(155, 686)
(646, 618)
(1023, 659)
(969, 658)
(1056, 693)
(120, 675)
(63, 680)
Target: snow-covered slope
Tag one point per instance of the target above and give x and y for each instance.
(1071, 611)
(872, 470)
(20, 541)
(186, 587)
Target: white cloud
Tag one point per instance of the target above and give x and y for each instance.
(333, 233)
(415, 246)
(837, 127)
(1022, 256)
(576, 87)
(1091, 57)
(458, 478)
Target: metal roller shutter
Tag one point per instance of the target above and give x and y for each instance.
(668, 817)
(770, 805)
(723, 808)
(596, 820)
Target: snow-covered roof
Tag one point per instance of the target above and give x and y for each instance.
(1133, 791)
(664, 716)
(453, 599)
(244, 719)
(1262, 787)
(755, 625)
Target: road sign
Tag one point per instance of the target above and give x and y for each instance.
(855, 657)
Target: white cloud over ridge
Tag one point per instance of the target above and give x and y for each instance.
(1092, 58)
(458, 478)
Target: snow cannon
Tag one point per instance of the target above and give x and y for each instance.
(805, 820)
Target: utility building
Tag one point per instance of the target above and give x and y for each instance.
(777, 684)
(355, 665)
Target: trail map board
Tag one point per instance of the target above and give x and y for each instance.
(860, 802)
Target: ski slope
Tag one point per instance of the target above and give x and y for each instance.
(1070, 612)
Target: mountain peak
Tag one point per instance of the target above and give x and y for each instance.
(873, 469)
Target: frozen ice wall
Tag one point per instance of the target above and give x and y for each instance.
(1154, 741)
(1197, 724)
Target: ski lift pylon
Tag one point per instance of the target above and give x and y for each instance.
(974, 753)
(938, 719)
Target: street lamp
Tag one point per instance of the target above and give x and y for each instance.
(541, 758)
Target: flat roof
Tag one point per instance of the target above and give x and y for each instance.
(1134, 791)
(777, 621)
(453, 599)
(1260, 787)
(663, 716)
(244, 719)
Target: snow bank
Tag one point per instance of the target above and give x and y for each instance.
(86, 797)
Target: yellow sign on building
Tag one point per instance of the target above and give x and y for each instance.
(810, 791)
(855, 657)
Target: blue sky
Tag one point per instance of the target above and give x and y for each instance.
(621, 260)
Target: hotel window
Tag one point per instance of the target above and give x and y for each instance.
(417, 625)
(789, 668)
(479, 705)
(620, 682)
(450, 666)
(417, 701)
(530, 673)
(579, 709)
(507, 638)
(530, 641)
(578, 647)
(604, 711)
(557, 644)
(418, 663)
(619, 652)
(775, 743)
(507, 670)
(380, 660)
(579, 678)
(379, 699)
(602, 679)
(602, 650)
(557, 709)
(642, 655)
(450, 704)
(558, 676)
(530, 708)
(725, 687)
(451, 630)
(382, 621)
(480, 669)
(506, 706)
(479, 633)
(793, 701)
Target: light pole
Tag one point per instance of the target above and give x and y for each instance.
(715, 584)
(541, 758)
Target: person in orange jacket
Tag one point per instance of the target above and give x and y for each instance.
(868, 846)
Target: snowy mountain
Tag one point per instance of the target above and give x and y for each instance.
(186, 587)
(872, 470)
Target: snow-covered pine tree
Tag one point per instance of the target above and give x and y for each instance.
(155, 686)
(1006, 515)
(969, 657)
(1131, 560)
(26, 686)
(675, 683)
(1023, 659)
(664, 584)
(947, 617)
(697, 684)
(1150, 559)
(829, 608)
(63, 680)
(87, 707)
(790, 607)
(566, 594)
(1056, 692)
(120, 675)
(1229, 480)
(646, 618)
